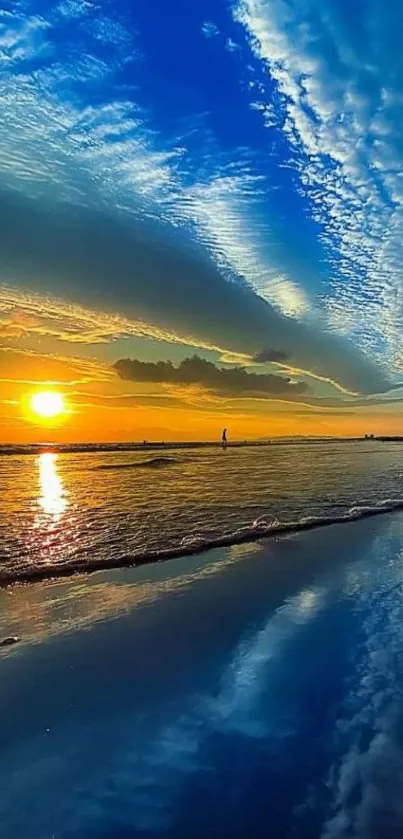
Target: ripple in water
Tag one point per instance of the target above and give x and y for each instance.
(67, 511)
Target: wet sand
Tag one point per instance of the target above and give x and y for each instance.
(208, 695)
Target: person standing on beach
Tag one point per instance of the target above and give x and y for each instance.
(224, 439)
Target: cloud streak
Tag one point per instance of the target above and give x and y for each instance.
(24, 313)
(23, 367)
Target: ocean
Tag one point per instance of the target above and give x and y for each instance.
(69, 510)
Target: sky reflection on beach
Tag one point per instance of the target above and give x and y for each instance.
(264, 698)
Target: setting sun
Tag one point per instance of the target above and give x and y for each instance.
(48, 404)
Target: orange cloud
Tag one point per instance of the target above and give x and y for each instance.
(25, 367)
(25, 313)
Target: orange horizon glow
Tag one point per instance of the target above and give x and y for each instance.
(86, 403)
(97, 424)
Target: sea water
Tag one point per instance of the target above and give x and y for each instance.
(62, 511)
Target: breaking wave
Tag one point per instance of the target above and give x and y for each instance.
(151, 463)
(195, 544)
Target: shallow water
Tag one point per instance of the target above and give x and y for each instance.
(259, 696)
(61, 511)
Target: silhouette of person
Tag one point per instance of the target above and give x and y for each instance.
(224, 438)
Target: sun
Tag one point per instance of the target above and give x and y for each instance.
(48, 404)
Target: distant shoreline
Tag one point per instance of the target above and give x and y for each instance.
(88, 448)
(96, 448)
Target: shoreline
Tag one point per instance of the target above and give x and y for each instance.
(97, 448)
(246, 536)
(60, 607)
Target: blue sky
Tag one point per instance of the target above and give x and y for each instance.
(216, 174)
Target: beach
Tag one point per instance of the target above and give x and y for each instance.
(201, 435)
(252, 690)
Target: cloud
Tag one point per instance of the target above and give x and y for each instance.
(25, 367)
(269, 354)
(197, 371)
(100, 208)
(333, 82)
(364, 778)
(24, 313)
(22, 38)
(145, 272)
(209, 29)
(162, 400)
(227, 211)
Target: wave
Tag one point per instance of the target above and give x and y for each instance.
(152, 463)
(193, 544)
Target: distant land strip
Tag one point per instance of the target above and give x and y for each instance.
(77, 448)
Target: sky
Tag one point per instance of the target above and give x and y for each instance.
(201, 218)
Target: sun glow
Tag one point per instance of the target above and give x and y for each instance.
(48, 404)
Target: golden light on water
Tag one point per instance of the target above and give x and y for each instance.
(47, 404)
(52, 499)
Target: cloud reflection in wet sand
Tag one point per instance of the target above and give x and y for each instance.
(36, 612)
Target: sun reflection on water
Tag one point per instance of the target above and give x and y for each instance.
(52, 499)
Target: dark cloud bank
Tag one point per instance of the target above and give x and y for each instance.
(269, 354)
(135, 266)
(198, 371)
